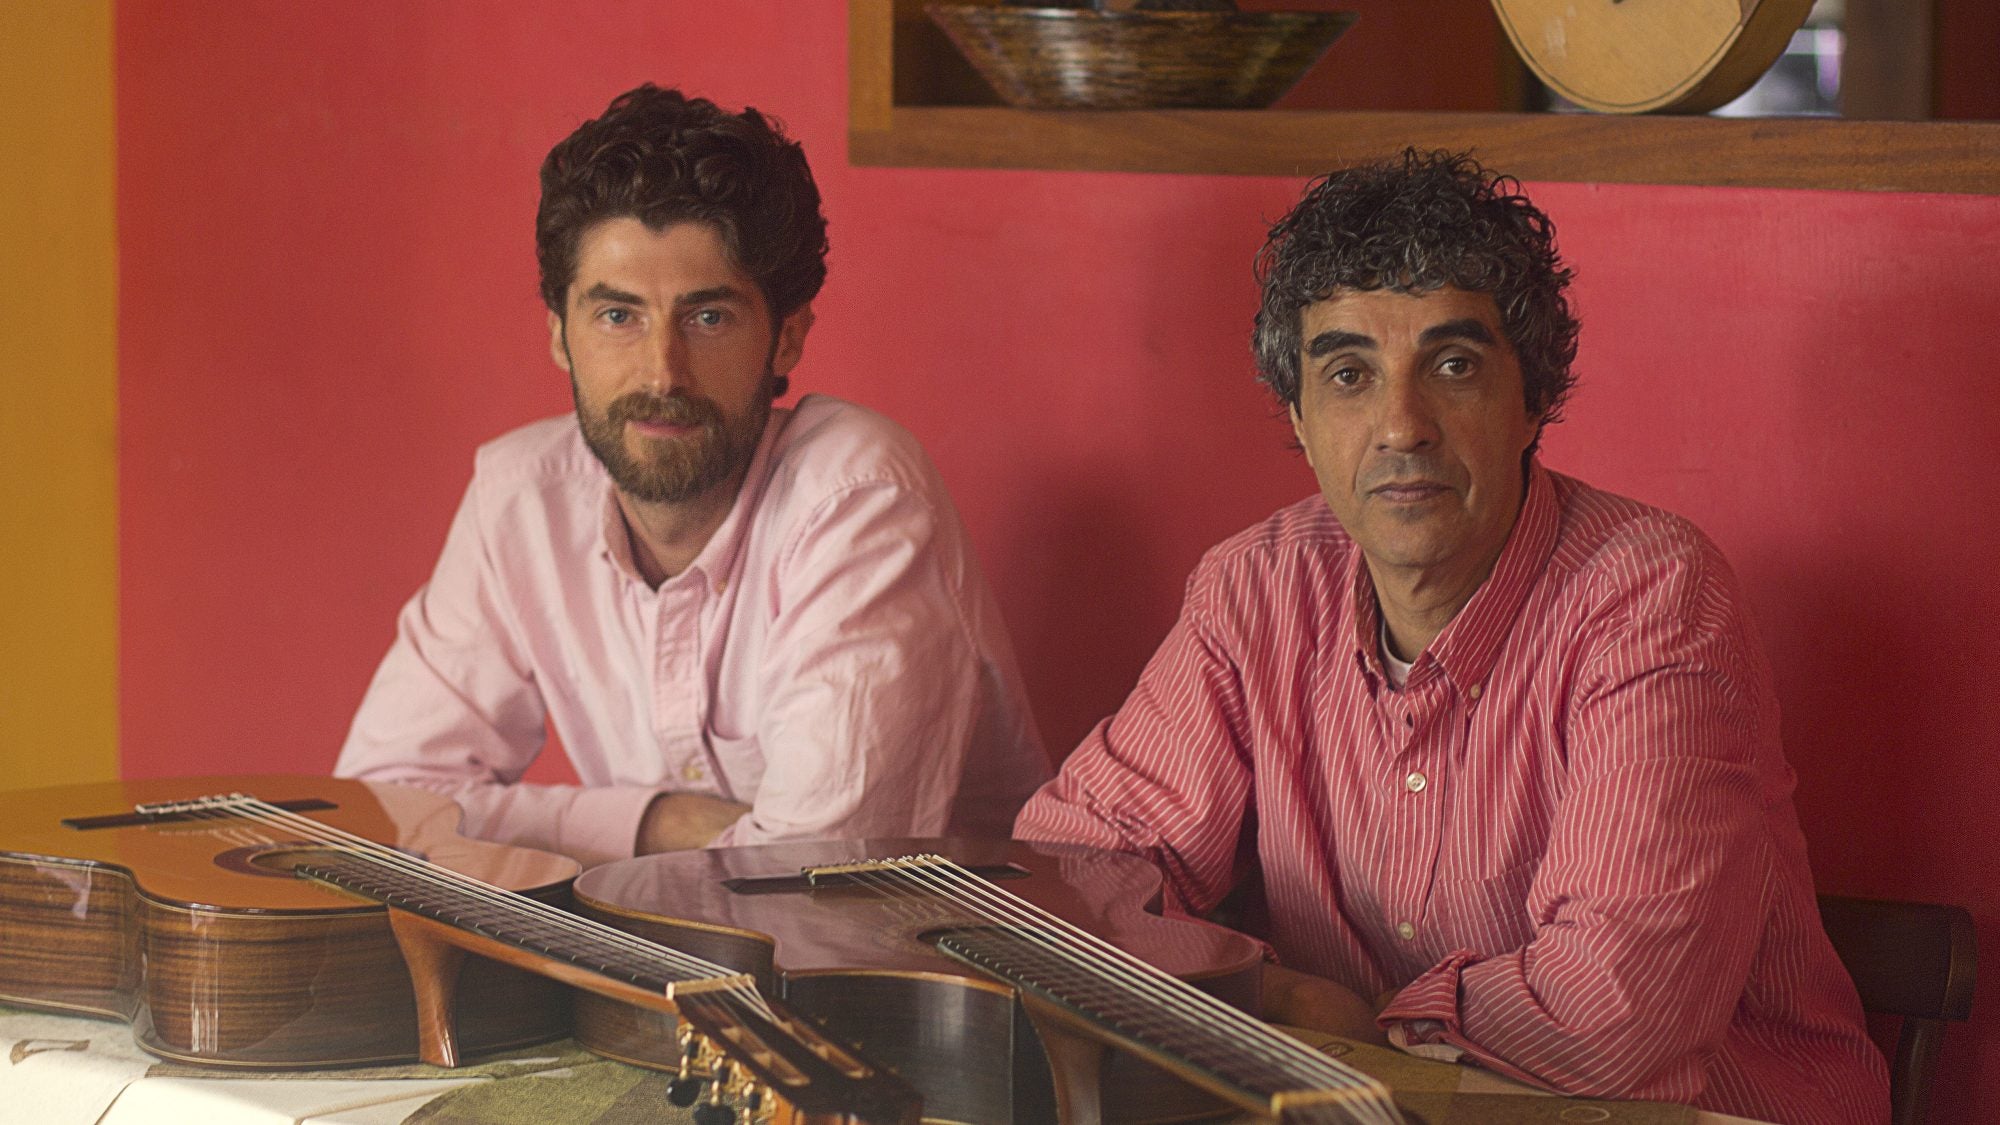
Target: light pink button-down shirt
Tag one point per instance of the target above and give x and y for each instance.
(832, 658)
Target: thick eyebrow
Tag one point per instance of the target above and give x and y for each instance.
(712, 293)
(1464, 328)
(603, 292)
(1334, 340)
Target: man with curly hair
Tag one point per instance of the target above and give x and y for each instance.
(1495, 753)
(744, 623)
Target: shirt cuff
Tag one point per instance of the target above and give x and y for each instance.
(601, 825)
(1425, 1019)
(1431, 998)
(1417, 1037)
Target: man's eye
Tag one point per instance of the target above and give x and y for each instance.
(1456, 365)
(616, 316)
(1344, 376)
(710, 318)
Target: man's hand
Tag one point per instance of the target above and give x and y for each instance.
(1303, 1000)
(679, 821)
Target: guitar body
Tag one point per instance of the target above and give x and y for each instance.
(863, 967)
(198, 935)
(1650, 56)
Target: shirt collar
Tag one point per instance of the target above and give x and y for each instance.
(718, 555)
(1471, 643)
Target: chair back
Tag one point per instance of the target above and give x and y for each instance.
(1911, 959)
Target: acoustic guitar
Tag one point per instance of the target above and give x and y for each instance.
(224, 930)
(1650, 56)
(1007, 981)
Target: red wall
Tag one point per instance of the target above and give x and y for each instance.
(328, 299)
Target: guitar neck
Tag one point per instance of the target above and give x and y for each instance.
(814, 1078)
(510, 920)
(1175, 1025)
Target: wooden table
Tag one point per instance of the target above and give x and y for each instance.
(63, 1070)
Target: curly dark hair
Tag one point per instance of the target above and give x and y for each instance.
(1428, 220)
(662, 157)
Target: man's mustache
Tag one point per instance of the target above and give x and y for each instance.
(671, 410)
(1405, 469)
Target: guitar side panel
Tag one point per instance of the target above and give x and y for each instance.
(265, 991)
(68, 938)
(212, 959)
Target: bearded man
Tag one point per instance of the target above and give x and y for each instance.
(744, 623)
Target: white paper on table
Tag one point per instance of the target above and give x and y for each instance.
(63, 1070)
(269, 1101)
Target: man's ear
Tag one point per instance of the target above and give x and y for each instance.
(558, 347)
(791, 344)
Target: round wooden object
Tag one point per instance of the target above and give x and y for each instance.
(1650, 56)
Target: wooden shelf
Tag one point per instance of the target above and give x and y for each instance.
(896, 75)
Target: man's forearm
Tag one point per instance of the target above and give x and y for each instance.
(680, 821)
(1299, 999)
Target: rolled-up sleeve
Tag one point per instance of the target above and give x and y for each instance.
(454, 708)
(1168, 777)
(872, 677)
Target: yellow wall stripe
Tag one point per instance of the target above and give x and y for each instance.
(58, 396)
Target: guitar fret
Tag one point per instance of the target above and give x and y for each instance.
(1056, 972)
(433, 896)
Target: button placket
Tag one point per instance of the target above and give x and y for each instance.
(678, 684)
(1423, 810)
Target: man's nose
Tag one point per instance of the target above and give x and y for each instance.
(666, 356)
(1408, 419)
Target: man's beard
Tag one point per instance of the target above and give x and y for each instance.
(679, 469)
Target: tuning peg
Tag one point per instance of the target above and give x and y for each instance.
(684, 1092)
(709, 1113)
(721, 1077)
(713, 1110)
(684, 1088)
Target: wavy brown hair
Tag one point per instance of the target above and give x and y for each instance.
(1428, 220)
(662, 157)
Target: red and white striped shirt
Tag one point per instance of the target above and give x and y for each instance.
(1568, 840)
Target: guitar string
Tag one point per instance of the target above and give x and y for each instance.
(1332, 1076)
(887, 881)
(1127, 973)
(1173, 996)
(1190, 1003)
(748, 997)
(1373, 1106)
(238, 806)
(390, 857)
(500, 897)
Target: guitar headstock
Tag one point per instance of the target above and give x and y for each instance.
(750, 1060)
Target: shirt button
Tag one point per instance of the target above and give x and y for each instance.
(1405, 931)
(1415, 782)
(1473, 691)
(722, 584)
(692, 771)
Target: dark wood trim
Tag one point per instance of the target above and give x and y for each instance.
(1938, 156)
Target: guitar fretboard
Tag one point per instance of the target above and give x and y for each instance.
(1171, 1017)
(609, 953)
